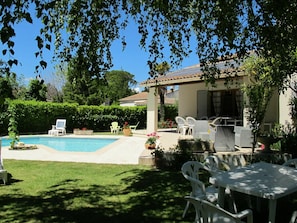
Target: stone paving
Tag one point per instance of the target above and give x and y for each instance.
(126, 150)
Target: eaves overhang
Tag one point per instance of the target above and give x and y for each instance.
(181, 77)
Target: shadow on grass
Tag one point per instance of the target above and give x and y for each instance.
(149, 196)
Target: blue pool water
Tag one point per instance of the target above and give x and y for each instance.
(65, 144)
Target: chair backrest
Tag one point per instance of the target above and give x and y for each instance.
(236, 161)
(191, 171)
(212, 213)
(207, 212)
(216, 121)
(135, 126)
(60, 123)
(213, 164)
(191, 121)
(180, 120)
(114, 125)
(291, 163)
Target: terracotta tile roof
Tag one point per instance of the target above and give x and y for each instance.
(135, 97)
(186, 75)
(141, 99)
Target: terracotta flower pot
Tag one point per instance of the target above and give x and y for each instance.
(127, 132)
(150, 146)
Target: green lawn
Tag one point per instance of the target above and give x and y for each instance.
(80, 192)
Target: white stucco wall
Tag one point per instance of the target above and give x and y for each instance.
(284, 107)
(187, 105)
(188, 96)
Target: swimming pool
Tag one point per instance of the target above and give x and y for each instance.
(66, 144)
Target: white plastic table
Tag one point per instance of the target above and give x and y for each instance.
(265, 180)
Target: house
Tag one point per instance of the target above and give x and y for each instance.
(197, 99)
(141, 99)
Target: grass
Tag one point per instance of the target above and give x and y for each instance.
(79, 192)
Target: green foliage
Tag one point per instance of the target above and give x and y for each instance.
(38, 117)
(288, 136)
(161, 70)
(86, 88)
(37, 90)
(258, 91)
(92, 27)
(171, 112)
(82, 85)
(119, 84)
(13, 124)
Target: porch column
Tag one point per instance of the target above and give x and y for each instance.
(152, 110)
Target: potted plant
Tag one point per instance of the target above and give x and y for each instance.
(151, 141)
(126, 129)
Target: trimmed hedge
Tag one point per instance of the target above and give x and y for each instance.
(34, 117)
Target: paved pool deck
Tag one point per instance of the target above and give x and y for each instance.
(126, 150)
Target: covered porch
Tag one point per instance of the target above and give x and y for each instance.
(202, 101)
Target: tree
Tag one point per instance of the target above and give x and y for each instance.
(7, 81)
(87, 29)
(119, 85)
(53, 94)
(161, 69)
(261, 87)
(37, 90)
(82, 85)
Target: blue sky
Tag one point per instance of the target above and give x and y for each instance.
(133, 59)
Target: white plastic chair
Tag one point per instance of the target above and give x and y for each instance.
(115, 128)
(133, 127)
(207, 212)
(59, 128)
(191, 124)
(190, 171)
(182, 125)
(235, 161)
(294, 217)
(291, 163)
(214, 164)
(3, 172)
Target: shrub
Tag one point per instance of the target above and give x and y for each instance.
(37, 117)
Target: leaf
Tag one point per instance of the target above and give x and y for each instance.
(11, 62)
(39, 42)
(28, 18)
(43, 64)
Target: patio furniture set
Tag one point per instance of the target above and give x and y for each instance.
(224, 132)
(262, 180)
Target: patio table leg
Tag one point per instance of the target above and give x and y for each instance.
(221, 198)
(272, 210)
